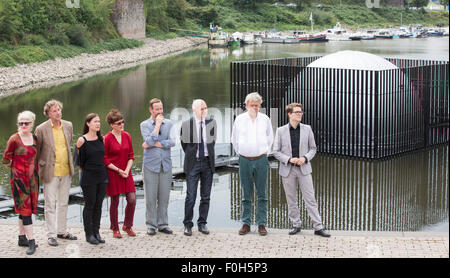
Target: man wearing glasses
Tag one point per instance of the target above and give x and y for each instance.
(294, 147)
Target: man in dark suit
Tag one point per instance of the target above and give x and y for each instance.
(198, 137)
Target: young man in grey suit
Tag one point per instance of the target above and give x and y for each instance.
(198, 137)
(294, 147)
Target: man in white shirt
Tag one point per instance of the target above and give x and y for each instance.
(252, 139)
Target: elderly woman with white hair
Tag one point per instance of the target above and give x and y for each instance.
(20, 156)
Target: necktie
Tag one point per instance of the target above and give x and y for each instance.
(201, 147)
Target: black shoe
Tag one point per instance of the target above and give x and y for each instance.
(52, 241)
(99, 238)
(322, 233)
(23, 241)
(151, 231)
(67, 236)
(31, 247)
(294, 231)
(203, 229)
(92, 240)
(166, 231)
(187, 231)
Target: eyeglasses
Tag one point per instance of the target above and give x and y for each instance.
(24, 123)
(298, 112)
(119, 122)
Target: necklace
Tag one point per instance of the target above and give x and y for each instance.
(118, 137)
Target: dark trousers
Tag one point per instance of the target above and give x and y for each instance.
(201, 171)
(92, 212)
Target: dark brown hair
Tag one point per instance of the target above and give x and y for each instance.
(88, 119)
(113, 116)
(290, 107)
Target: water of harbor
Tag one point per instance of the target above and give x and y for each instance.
(406, 193)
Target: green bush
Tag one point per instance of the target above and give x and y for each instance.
(29, 54)
(78, 35)
(229, 23)
(6, 60)
(33, 39)
(57, 34)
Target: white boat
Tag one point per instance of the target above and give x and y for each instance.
(384, 34)
(277, 37)
(356, 36)
(368, 35)
(337, 33)
(404, 32)
(250, 38)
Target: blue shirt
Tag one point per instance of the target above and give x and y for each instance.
(155, 157)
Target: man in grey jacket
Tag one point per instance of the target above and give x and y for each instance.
(294, 147)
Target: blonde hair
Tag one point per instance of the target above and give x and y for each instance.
(50, 104)
(253, 97)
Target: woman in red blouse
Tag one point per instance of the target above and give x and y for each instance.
(119, 158)
(20, 156)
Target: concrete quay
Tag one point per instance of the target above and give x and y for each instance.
(226, 243)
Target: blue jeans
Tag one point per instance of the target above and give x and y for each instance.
(253, 173)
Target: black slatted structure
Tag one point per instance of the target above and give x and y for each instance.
(357, 113)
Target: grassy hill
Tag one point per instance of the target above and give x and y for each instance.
(262, 15)
(38, 30)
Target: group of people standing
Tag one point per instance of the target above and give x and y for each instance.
(105, 163)
(46, 157)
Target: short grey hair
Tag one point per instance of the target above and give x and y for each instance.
(26, 115)
(50, 104)
(253, 97)
(197, 102)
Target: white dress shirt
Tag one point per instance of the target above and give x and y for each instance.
(203, 135)
(252, 138)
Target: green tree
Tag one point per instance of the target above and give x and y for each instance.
(419, 3)
(176, 9)
(10, 22)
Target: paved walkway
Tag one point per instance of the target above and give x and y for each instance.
(226, 243)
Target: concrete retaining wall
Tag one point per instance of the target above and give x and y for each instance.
(129, 18)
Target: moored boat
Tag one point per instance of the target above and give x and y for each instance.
(384, 34)
(313, 38)
(217, 39)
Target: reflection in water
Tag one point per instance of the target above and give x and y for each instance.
(131, 91)
(400, 194)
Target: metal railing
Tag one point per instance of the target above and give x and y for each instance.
(357, 113)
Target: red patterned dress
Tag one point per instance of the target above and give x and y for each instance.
(24, 174)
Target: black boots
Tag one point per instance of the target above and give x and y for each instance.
(99, 239)
(92, 239)
(23, 241)
(31, 244)
(31, 247)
